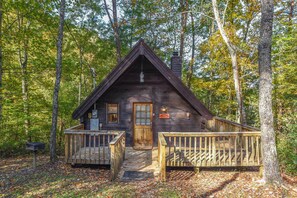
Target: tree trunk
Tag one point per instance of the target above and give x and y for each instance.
(270, 162)
(116, 29)
(23, 59)
(235, 69)
(80, 75)
(184, 17)
(25, 96)
(53, 156)
(1, 64)
(61, 134)
(191, 65)
(115, 26)
(291, 4)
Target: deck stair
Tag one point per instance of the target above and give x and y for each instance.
(139, 165)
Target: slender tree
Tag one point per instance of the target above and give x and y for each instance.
(116, 29)
(115, 26)
(291, 4)
(270, 162)
(1, 63)
(53, 156)
(184, 18)
(192, 61)
(235, 69)
(23, 61)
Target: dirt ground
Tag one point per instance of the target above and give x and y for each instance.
(17, 179)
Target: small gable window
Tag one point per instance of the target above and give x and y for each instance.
(112, 113)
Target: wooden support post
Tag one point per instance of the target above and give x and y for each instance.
(258, 151)
(66, 148)
(174, 155)
(75, 146)
(163, 163)
(247, 150)
(195, 151)
(71, 148)
(214, 154)
(162, 156)
(85, 147)
(112, 162)
(78, 143)
(261, 171)
(169, 139)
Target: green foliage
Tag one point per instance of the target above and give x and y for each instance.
(287, 146)
(285, 94)
(83, 48)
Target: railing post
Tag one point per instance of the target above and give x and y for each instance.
(162, 156)
(124, 147)
(112, 162)
(66, 148)
(211, 124)
(163, 164)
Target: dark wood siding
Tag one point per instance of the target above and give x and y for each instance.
(156, 89)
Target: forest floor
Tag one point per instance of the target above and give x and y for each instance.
(18, 179)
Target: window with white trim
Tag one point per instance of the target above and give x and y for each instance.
(112, 113)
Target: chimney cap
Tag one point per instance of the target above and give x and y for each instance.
(175, 53)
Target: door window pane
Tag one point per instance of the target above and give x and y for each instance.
(142, 122)
(143, 114)
(137, 121)
(137, 114)
(142, 107)
(138, 107)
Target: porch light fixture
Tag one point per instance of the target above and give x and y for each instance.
(141, 72)
(163, 109)
(188, 115)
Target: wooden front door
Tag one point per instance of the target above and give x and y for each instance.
(143, 133)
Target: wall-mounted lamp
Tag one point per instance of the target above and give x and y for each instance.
(163, 109)
(141, 75)
(188, 115)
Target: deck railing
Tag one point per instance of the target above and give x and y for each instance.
(223, 125)
(208, 149)
(102, 147)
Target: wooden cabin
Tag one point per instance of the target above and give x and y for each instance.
(143, 96)
(139, 104)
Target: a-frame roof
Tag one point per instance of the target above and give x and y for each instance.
(141, 48)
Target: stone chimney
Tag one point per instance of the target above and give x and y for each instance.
(176, 64)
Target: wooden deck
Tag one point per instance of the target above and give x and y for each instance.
(95, 147)
(239, 147)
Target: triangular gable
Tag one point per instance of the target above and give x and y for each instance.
(141, 48)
